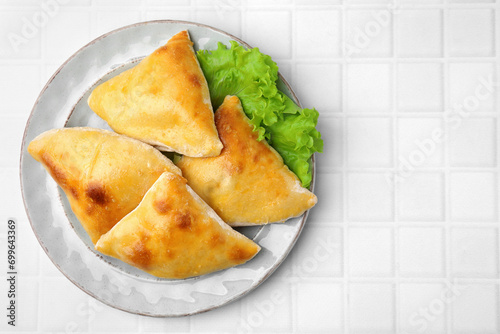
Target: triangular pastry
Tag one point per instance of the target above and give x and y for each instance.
(104, 174)
(174, 234)
(163, 101)
(248, 183)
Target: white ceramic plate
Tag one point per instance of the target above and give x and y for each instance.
(61, 103)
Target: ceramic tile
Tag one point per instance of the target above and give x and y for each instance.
(471, 32)
(419, 1)
(9, 178)
(371, 251)
(419, 33)
(474, 252)
(319, 253)
(421, 142)
(327, 301)
(103, 318)
(370, 2)
(369, 33)
(423, 307)
(371, 308)
(271, 311)
(332, 132)
(369, 142)
(421, 197)
(278, 39)
(227, 19)
(164, 325)
(318, 33)
(475, 310)
(420, 87)
(472, 1)
(369, 197)
(263, 3)
(322, 80)
(174, 3)
(66, 33)
(108, 20)
(421, 252)
(28, 306)
(474, 143)
(205, 322)
(473, 196)
(19, 102)
(362, 94)
(162, 14)
(21, 36)
(13, 134)
(116, 3)
(330, 209)
(72, 314)
(472, 88)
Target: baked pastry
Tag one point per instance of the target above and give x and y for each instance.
(103, 174)
(174, 234)
(248, 183)
(163, 101)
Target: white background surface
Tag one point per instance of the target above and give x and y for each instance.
(405, 238)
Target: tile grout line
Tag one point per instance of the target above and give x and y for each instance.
(446, 155)
(496, 104)
(383, 60)
(407, 114)
(395, 151)
(338, 6)
(345, 183)
(422, 170)
(422, 278)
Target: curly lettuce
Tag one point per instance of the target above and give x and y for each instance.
(252, 77)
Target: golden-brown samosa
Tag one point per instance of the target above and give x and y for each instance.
(163, 101)
(248, 183)
(173, 233)
(104, 174)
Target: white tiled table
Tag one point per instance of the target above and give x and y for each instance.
(405, 238)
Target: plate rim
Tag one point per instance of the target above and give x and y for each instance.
(255, 284)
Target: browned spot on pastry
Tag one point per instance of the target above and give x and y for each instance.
(183, 220)
(59, 175)
(73, 192)
(56, 172)
(216, 239)
(176, 51)
(193, 78)
(162, 49)
(96, 192)
(239, 255)
(140, 255)
(161, 206)
(233, 166)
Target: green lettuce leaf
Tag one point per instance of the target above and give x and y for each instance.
(252, 76)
